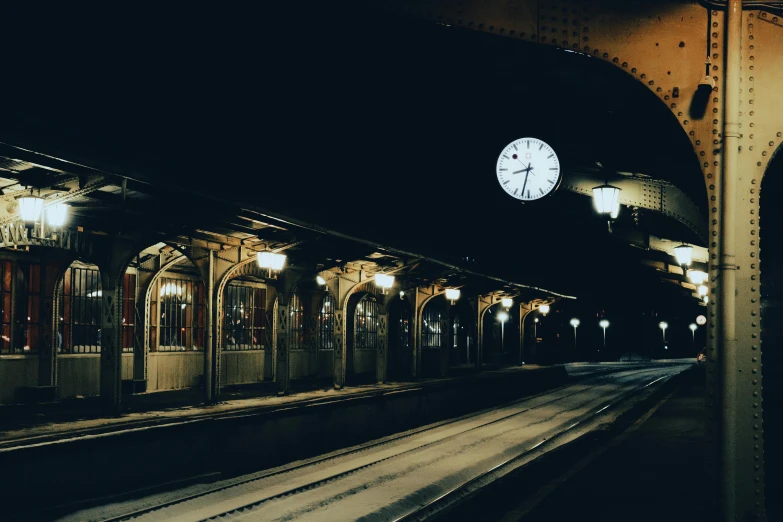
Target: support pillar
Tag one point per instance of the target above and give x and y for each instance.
(282, 356)
(211, 380)
(482, 304)
(47, 351)
(383, 347)
(340, 327)
(727, 355)
(113, 259)
(447, 340)
(524, 312)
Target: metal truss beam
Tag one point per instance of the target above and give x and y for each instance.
(658, 196)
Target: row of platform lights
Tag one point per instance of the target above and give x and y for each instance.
(606, 199)
(31, 212)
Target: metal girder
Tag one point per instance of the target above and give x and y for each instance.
(651, 194)
(16, 236)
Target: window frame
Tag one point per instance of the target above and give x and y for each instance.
(79, 312)
(254, 328)
(366, 322)
(326, 319)
(190, 325)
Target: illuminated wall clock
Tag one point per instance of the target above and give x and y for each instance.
(528, 169)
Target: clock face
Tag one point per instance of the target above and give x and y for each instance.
(528, 169)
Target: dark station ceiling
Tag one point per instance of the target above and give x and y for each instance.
(361, 122)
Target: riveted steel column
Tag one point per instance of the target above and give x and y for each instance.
(727, 354)
(524, 312)
(209, 338)
(383, 344)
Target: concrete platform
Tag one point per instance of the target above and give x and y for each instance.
(78, 459)
(656, 470)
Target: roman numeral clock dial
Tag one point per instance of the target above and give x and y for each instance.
(528, 169)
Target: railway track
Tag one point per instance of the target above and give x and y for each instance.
(408, 476)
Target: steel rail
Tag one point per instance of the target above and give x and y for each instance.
(354, 451)
(458, 492)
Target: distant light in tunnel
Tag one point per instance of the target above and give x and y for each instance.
(697, 277)
(606, 200)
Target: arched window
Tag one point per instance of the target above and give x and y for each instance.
(128, 312)
(326, 323)
(405, 328)
(177, 315)
(296, 323)
(366, 321)
(243, 318)
(80, 311)
(430, 326)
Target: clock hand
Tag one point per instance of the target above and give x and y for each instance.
(518, 171)
(525, 183)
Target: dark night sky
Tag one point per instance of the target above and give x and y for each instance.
(300, 112)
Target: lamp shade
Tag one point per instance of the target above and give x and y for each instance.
(693, 327)
(663, 325)
(56, 214)
(452, 294)
(683, 253)
(606, 199)
(507, 302)
(574, 322)
(320, 280)
(30, 208)
(544, 309)
(702, 290)
(384, 280)
(502, 317)
(697, 277)
(271, 260)
(604, 323)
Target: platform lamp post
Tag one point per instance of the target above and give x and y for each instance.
(603, 324)
(502, 317)
(535, 328)
(693, 327)
(663, 325)
(606, 199)
(574, 323)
